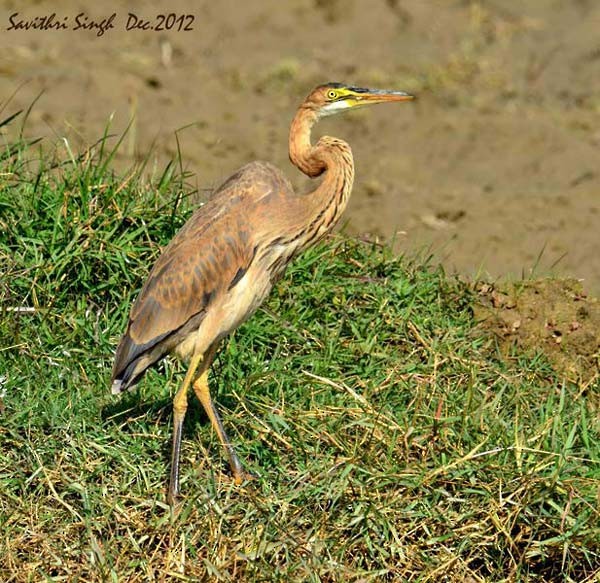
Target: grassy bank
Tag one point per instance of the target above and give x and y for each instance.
(390, 439)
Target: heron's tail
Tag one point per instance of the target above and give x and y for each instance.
(117, 386)
(125, 380)
(131, 361)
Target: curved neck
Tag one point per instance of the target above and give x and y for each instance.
(302, 153)
(331, 157)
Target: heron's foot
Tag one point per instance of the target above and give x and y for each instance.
(242, 476)
(173, 498)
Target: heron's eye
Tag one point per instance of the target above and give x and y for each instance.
(332, 94)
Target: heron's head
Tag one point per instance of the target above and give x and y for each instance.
(333, 98)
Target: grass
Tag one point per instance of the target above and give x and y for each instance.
(390, 440)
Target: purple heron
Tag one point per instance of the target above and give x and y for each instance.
(222, 264)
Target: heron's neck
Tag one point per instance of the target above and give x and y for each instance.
(302, 153)
(331, 157)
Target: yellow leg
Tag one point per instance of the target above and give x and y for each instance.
(203, 393)
(179, 410)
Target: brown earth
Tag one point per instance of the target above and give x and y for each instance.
(550, 316)
(495, 168)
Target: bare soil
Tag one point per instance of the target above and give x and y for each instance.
(494, 169)
(549, 316)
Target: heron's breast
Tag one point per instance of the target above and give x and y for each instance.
(245, 297)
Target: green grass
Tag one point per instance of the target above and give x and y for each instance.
(390, 441)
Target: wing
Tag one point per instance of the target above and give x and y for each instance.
(206, 258)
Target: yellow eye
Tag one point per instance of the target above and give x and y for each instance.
(332, 94)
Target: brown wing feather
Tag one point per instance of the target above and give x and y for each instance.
(206, 258)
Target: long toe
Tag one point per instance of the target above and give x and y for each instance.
(243, 476)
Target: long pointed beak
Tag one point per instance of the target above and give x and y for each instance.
(381, 96)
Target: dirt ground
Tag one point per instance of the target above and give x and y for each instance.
(494, 169)
(552, 316)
